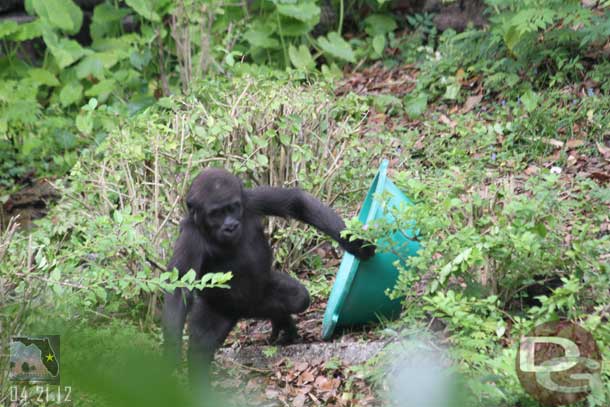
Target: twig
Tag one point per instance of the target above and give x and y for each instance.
(254, 369)
(49, 281)
(234, 108)
(155, 264)
(164, 82)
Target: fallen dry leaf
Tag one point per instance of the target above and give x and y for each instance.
(554, 142)
(603, 150)
(321, 381)
(299, 401)
(305, 377)
(271, 394)
(574, 142)
(600, 176)
(446, 120)
(572, 160)
(471, 102)
(532, 169)
(553, 157)
(419, 144)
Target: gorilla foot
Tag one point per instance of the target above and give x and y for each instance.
(283, 334)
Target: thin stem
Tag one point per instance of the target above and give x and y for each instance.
(341, 7)
(279, 26)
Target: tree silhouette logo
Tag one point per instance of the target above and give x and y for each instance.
(34, 359)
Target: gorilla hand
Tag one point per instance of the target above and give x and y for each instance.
(360, 248)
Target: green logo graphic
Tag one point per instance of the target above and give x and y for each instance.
(558, 363)
(34, 359)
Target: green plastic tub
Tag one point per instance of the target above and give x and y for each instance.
(358, 295)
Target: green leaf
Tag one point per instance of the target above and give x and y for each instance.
(189, 277)
(416, 106)
(55, 274)
(379, 44)
(120, 46)
(139, 60)
(71, 93)
(84, 123)
(65, 51)
(449, 267)
(533, 19)
(262, 160)
(167, 103)
(379, 24)
(8, 27)
(100, 292)
(500, 330)
(530, 100)
(145, 8)
(270, 351)
(102, 89)
(65, 139)
(28, 31)
(30, 143)
(385, 103)
(334, 45)
(452, 92)
(295, 28)
(43, 77)
(90, 65)
(63, 14)
(260, 39)
(512, 38)
(331, 73)
(540, 229)
(106, 20)
(27, 4)
(107, 13)
(301, 58)
(306, 12)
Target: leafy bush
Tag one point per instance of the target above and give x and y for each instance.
(40, 103)
(530, 46)
(106, 242)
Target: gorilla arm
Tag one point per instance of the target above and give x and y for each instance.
(188, 254)
(298, 204)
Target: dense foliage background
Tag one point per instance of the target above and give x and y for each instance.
(495, 117)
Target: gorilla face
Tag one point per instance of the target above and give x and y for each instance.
(224, 221)
(215, 201)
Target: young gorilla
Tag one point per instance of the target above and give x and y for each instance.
(223, 232)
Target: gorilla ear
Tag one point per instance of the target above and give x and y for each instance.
(189, 204)
(191, 210)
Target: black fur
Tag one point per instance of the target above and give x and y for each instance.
(223, 232)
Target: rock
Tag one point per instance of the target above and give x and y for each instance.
(30, 203)
(349, 353)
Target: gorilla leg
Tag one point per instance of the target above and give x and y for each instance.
(177, 304)
(284, 296)
(208, 330)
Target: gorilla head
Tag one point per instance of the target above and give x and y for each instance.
(215, 202)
